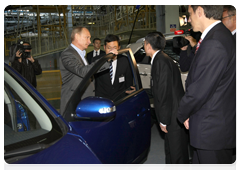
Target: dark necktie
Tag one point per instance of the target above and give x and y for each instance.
(96, 54)
(111, 70)
(198, 45)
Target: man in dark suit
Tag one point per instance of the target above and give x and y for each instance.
(114, 86)
(208, 108)
(96, 52)
(229, 18)
(74, 67)
(167, 91)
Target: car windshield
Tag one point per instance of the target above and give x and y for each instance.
(25, 121)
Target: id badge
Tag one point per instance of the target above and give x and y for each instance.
(121, 79)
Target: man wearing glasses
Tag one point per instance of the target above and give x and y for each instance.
(229, 18)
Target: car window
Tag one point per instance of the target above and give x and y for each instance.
(26, 122)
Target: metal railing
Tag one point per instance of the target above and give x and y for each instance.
(114, 23)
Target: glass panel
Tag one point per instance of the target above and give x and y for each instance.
(23, 117)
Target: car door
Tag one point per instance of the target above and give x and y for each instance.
(123, 137)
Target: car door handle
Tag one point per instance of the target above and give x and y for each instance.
(143, 74)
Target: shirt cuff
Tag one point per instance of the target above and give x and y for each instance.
(162, 124)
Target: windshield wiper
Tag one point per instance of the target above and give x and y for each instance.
(25, 151)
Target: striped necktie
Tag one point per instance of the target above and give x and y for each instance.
(198, 45)
(111, 70)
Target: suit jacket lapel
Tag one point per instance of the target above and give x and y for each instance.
(76, 54)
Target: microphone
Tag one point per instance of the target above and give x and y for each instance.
(180, 32)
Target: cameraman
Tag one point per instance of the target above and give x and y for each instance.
(187, 52)
(25, 64)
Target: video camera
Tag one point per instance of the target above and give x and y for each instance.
(179, 41)
(21, 48)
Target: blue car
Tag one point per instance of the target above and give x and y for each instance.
(98, 131)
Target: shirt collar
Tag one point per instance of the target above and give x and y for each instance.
(208, 29)
(233, 32)
(154, 55)
(80, 52)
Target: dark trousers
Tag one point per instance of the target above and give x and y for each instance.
(176, 147)
(212, 156)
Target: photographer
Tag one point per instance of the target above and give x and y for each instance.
(188, 52)
(23, 62)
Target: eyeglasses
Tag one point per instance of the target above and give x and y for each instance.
(228, 16)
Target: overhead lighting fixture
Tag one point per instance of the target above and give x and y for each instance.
(183, 20)
(91, 23)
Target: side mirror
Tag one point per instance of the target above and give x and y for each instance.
(95, 108)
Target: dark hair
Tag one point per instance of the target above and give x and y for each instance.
(210, 11)
(156, 40)
(231, 10)
(110, 38)
(96, 39)
(75, 31)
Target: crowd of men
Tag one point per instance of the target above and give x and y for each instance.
(205, 112)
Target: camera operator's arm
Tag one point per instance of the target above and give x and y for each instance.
(193, 42)
(36, 66)
(17, 64)
(187, 54)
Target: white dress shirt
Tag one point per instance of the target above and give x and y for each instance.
(81, 53)
(94, 53)
(114, 65)
(233, 32)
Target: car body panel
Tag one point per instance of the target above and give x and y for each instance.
(130, 137)
(132, 124)
(125, 138)
(70, 149)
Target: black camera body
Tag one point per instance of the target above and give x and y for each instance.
(21, 48)
(179, 42)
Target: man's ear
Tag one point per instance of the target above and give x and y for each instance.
(234, 18)
(104, 47)
(200, 12)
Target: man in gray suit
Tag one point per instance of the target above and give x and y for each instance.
(74, 66)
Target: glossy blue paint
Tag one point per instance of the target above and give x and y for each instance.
(124, 138)
(68, 150)
(95, 107)
(121, 139)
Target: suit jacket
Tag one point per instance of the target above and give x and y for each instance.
(28, 70)
(167, 90)
(90, 56)
(236, 36)
(73, 71)
(123, 80)
(210, 98)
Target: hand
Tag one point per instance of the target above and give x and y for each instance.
(192, 41)
(31, 59)
(114, 51)
(186, 124)
(163, 128)
(184, 48)
(131, 91)
(18, 55)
